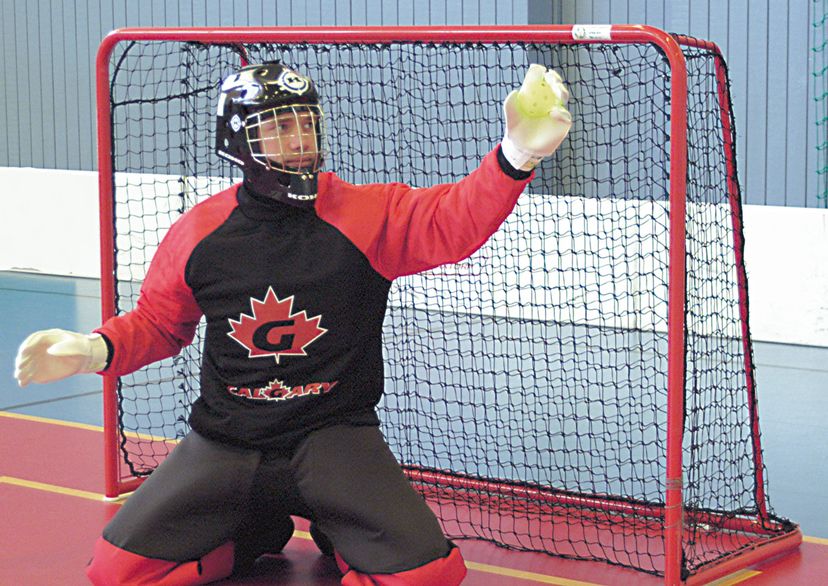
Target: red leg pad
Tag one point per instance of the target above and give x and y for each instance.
(112, 566)
(446, 571)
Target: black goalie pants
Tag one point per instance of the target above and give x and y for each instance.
(343, 478)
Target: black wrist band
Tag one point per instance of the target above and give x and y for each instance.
(110, 351)
(516, 174)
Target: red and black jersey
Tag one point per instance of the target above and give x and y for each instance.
(294, 299)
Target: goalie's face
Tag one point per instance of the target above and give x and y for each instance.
(286, 138)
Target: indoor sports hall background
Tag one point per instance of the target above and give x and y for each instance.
(778, 61)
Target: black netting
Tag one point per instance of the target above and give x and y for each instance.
(526, 387)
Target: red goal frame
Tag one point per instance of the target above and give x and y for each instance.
(673, 510)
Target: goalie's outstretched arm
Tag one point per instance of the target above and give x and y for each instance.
(403, 230)
(163, 321)
(140, 338)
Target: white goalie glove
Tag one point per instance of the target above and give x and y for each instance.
(537, 120)
(52, 355)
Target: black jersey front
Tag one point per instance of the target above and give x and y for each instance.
(294, 320)
(294, 299)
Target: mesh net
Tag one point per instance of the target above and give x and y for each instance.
(526, 387)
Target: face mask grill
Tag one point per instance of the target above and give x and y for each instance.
(290, 139)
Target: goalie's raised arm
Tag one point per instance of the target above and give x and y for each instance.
(52, 355)
(536, 118)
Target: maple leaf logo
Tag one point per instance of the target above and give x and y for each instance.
(273, 330)
(276, 385)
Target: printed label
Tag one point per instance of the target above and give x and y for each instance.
(592, 32)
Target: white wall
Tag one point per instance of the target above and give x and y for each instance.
(786, 253)
(49, 224)
(49, 221)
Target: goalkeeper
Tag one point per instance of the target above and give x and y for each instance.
(291, 269)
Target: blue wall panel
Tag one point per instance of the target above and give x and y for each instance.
(7, 141)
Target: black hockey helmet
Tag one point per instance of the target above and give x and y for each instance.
(269, 123)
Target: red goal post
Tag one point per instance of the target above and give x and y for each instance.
(683, 528)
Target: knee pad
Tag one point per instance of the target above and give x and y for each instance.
(446, 571)
(112, 565)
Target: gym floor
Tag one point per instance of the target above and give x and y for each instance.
(51, 469)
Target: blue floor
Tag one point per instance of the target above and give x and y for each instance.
(792, 383)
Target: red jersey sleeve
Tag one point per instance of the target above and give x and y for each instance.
(166, 315)
(403, 230)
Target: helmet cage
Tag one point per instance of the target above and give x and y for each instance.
(288, 138)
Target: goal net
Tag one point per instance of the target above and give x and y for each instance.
(583, 384)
